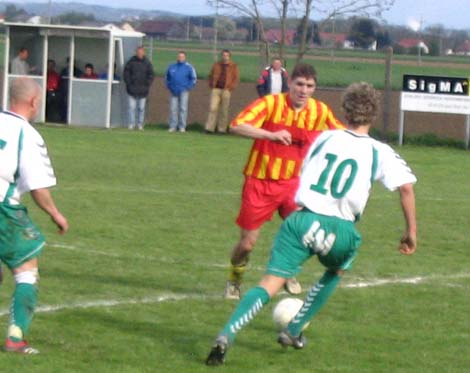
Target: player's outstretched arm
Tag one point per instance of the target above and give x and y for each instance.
(245, 130)
(408, 241)
(44, 200)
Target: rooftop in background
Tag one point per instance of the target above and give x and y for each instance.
(113, 29)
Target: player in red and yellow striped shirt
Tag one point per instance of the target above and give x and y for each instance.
(283, 126)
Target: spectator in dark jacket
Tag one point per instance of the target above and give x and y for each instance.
(273, 79)
(180, 79)
(138, 76)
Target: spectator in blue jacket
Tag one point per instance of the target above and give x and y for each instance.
(180, 79)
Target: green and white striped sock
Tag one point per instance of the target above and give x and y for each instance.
(246, 310)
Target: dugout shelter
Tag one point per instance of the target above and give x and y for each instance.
(84, 102)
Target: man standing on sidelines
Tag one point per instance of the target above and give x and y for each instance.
(180, 79)
(223, 79)
(138, 76)
(26, 167)
(273, 79)
(335, 184)
(283, 127)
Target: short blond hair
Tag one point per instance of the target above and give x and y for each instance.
(360, 104)
(23, 89)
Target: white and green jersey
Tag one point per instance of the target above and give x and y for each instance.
(25, 164)
(339, 170)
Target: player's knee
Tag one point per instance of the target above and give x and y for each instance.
(30, 276)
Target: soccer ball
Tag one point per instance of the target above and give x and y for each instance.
(285, 311)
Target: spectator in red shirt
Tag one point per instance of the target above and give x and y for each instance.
(89, 72)
(53, 99)
(53, 77)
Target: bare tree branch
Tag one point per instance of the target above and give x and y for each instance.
(331, 9)
(250, 9)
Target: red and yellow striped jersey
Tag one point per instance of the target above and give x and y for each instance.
(275, 161)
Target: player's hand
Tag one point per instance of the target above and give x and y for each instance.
(61, 222)
(407, 244)
(283, 136)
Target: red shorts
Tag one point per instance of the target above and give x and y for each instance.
(261, 198)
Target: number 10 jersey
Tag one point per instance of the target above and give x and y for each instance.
(339, 170)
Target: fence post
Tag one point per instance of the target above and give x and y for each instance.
(387, 100)
(467, 131)
(151, 48)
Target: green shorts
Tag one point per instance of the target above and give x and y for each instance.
(20, 239)
(291, 248)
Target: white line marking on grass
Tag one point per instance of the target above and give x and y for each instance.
(411, 280)
(181, 297)
(113, 303)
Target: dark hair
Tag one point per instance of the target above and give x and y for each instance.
(23, 49)
(304, 70)
(360, 104)
(226, 51)
(89, 65)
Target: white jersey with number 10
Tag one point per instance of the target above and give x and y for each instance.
(339, 170)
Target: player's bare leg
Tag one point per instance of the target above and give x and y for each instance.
(238, 262)
(22, 309)
(251, 304)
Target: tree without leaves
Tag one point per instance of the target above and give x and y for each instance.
(11, 12)
(339, 8)
(251, 9)
(282, 8)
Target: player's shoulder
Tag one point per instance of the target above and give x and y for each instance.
(13, 121)
(31, 135)
(382, 148)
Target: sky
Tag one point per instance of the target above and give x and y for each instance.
(450, 13)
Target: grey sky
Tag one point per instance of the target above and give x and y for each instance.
(450, 13)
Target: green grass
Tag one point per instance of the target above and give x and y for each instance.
(151, 215)
(330, 74)
(252, 47)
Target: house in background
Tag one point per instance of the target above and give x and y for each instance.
(160, 30)
(274, 36)
(463, 49)
(409, 43)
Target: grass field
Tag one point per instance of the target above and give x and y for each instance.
(136, 284)
(325, 51)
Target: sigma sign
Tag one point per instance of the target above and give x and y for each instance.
(435, 94)
(436, 85)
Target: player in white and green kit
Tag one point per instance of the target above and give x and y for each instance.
(25, 167)
(335, 183)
